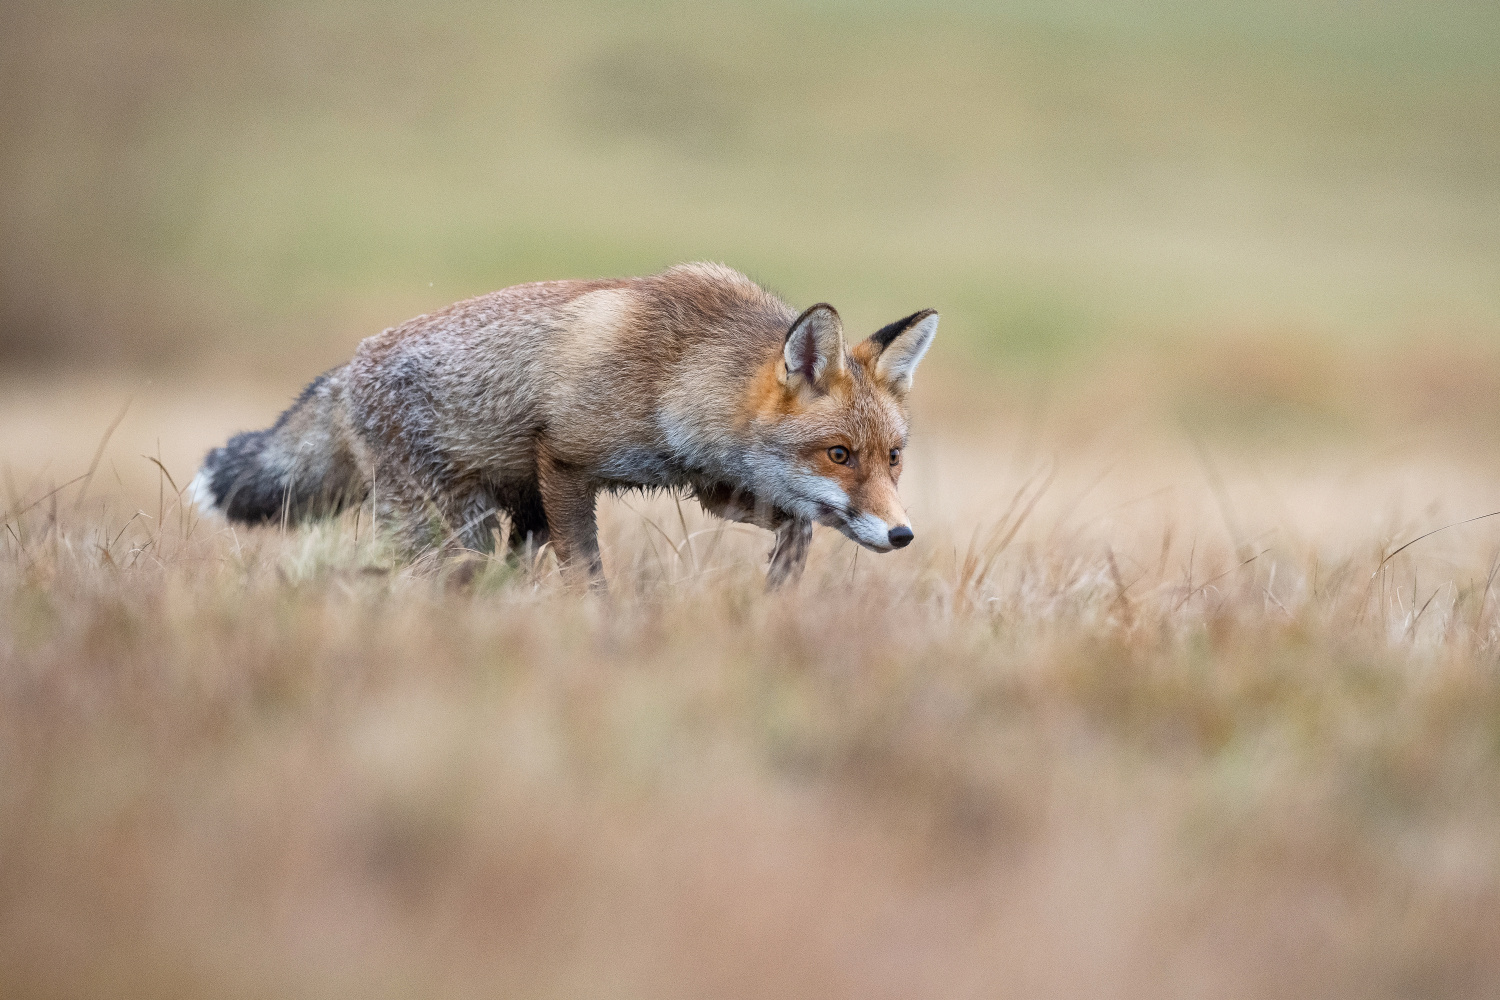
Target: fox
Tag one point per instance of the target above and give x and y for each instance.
(499, 419)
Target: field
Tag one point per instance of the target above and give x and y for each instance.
(1188, 686)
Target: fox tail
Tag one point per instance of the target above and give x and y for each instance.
(301, 467)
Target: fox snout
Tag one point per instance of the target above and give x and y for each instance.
(861, 502)
(884, 525)
(876, 533)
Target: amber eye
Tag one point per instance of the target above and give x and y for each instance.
(895, 456)
(839, 454)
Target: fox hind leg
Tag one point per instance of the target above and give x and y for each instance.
(443, 521)
(522, 503)
(402, 509)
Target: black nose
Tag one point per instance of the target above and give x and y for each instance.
(900, 536)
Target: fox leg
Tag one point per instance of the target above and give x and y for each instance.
(793, 534)
(568, 501)
(790, 553)
(403, 508)
(472, 516)
(442, 520)
(528, 520)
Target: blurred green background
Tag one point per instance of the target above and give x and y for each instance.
(190, 185)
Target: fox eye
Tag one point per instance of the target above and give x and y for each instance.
(895, 456)
(839, 454)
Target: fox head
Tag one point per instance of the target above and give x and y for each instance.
(834, 423)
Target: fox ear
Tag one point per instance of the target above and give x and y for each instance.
(814, 350)
(900, 346)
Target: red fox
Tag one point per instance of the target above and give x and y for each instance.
(519, 406)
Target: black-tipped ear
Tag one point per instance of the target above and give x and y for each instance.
(814, 351)
(900, 345)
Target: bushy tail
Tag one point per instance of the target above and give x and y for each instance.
(302, 467)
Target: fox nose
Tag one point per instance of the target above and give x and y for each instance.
(900, 536)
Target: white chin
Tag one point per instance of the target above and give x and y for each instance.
(871, 532)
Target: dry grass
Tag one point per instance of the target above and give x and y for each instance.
(1134, 717)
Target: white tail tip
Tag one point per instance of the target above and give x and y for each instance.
(200, 495)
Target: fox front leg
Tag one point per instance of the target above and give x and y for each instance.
(792, 534)
(568, 501)
(790, 554)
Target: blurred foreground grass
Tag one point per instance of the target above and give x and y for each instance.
(1089, 746)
